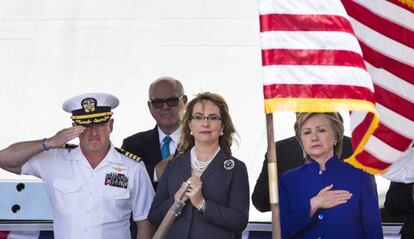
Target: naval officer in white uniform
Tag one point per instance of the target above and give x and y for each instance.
(93, 187)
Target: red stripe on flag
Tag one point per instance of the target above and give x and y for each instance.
(392, 138)
(299, 22)
(375, 58)
(371, 161)
(402, 5)
(359, 131)
(394, 102)
(4, 234)
(379, 24)
(312, 57)
(316, 91)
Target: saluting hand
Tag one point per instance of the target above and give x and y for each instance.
(64, 136)
(327, 198)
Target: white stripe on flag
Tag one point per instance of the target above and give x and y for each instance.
(310, 40)
(389, 11)
(395, 121)
(390, 82)
(330, 7)
(387, 153)
(308, 75)
(383, 44)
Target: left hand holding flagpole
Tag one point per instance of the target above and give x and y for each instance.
(174, 211)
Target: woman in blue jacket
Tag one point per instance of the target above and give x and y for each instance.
(327, 198)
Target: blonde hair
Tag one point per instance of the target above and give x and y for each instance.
(225, 140)
(336, 122)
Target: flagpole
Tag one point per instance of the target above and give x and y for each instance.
(273, 181)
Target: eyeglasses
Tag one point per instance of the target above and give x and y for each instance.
(171, 102)
(199, 117)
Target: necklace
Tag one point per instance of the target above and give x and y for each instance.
(197, 165)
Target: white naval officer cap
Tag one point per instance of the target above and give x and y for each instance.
(91, 108)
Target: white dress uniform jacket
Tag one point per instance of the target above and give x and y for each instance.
(403, 170)
(85, 204)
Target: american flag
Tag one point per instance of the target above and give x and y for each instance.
(321, 55)
(385, 30)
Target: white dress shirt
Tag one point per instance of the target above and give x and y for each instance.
(175, 136)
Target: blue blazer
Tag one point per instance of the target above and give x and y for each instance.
(226, 192)
(289, 156)
(358, 218)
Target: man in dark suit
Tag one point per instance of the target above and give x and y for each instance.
(166, 100)
(289, 155)
(158, 145)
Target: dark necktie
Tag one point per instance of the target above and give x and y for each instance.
(165, 149)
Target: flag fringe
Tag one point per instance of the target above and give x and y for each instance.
(409, 3)
(318, 105)
(360, 147)
(354, 162)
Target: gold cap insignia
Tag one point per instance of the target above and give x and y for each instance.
(89, 105)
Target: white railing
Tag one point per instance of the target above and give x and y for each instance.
(391, 231)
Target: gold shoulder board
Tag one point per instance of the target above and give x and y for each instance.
(128, 154)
